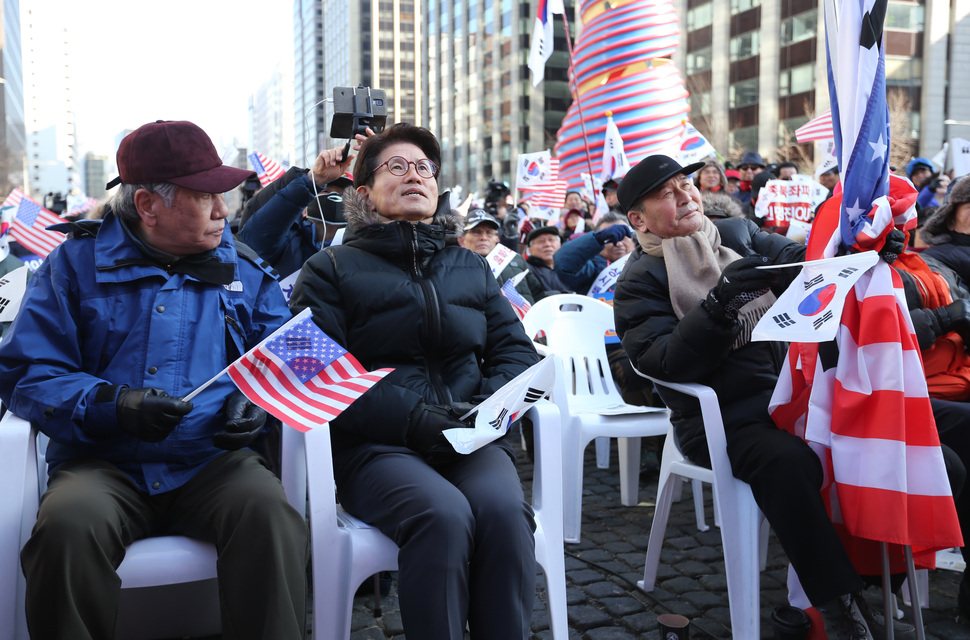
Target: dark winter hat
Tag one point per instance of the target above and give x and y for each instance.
(936, 230)
(758, 183)
(535, 233)
(480, 216)
(178, 152)
(751, 157)
(610, 185)
(647, 175)
(917, 163)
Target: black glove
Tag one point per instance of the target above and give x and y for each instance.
(149, 414)
(510, 225)
(740, 283)
(426, 423)
(953, 317)
(894, 245)
(244, 421)
(613, 234)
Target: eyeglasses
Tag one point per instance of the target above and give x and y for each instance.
(747, 167)
(398, 166)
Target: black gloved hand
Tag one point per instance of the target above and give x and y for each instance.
(149, 414)
(740, 283)
(510, 225)
(613, 234)
(953, 317)
(426, 423)
(244, 421)
(894, 245)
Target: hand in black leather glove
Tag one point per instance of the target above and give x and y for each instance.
(894, 245)
(613, 234)
(149, 414)
(244, 421)
(953, 317)
(426, 423)
(740, 283)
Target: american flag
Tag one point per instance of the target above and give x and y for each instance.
(266, 170)
(551, 193)
(818, 128)
(862, 399)
(28, 221)
(301, 376)
(520, 305)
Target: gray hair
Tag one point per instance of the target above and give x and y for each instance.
(611, 217)
(123, 201)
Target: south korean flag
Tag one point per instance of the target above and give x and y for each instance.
(811, 308)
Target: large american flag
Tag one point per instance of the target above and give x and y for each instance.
(301, 376)
(862, 400)
(266, 170)
(28, 221)
(549, 194)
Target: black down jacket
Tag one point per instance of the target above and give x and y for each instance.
(394, 295)
(697, 348)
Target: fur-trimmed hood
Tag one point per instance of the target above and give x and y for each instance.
(721, 205)
(358, 213)
(936, 230)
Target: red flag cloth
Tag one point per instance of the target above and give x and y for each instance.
(301, 376)
(29, 222)
(266, 170)
(861, 402)
(819, 128)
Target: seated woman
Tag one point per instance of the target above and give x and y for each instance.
(395, 295)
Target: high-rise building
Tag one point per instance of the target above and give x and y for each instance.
(52, 163)
(96, 170)
(480, 100)
(308, 92)
(271, 118)
(13, 136)
(756, 70)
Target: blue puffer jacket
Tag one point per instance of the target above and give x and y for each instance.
(99, 313)
(578, 262)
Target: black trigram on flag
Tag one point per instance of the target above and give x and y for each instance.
(848, 271)
(532, 395)
(4, 303)
(783, 320)
(822, 319)
(499, 419)
(814, 281)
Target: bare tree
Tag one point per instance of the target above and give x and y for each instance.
(903, 145)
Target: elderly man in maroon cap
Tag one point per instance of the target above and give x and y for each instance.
(122, 320)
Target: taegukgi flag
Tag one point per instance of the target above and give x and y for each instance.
(542, 38)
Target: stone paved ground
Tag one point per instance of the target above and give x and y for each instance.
(602, 570)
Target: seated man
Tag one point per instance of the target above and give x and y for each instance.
(543, 244)
(581, 260)
(156, 299)
(481, 236)
(685, 306)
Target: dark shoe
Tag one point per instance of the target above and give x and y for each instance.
(963, 601)
(902, 630)
(843, 620)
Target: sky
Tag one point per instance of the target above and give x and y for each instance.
(137, 61)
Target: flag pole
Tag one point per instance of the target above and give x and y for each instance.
(579, 106)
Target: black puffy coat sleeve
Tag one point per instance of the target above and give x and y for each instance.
(382, 413)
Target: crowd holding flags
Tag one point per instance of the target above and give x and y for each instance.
(266, 170)
(861, 400)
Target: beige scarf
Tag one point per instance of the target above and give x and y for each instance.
(694, 265)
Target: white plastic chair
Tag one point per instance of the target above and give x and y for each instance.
(743, 527)
(346, 551)
(150, 606)
(574, 326)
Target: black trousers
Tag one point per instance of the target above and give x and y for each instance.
(953, 425)
(92, 511)
(786, 476)
(466, 536)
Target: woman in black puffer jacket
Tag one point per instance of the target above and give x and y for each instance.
(394, 295)
(947, 231)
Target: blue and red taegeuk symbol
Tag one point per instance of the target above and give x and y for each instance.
(816, 302)
(533, 169)
(691, 143)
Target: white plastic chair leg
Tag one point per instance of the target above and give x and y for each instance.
(572, 486)
(697, 488)
(665, 494)
(602, 452)
(923, 585)
(740, 534)
(629, 449)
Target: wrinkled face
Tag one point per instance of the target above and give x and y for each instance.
(671, 210)
(409, 197)
(481, 239)
(193, 224)
(544, 246)
(960, 222)
(786, 173)
(829, 180)
(573, 201)
(614, 252)
(710, 177)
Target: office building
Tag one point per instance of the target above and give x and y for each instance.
(271, 118)
(13, 136)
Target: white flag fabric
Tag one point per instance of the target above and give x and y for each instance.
(810, 309)
(542, 38)
(12, 288)
(615, 163)
(533, 170)
(961, 156)
(694, 147)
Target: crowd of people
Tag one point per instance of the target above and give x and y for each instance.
(140, 307)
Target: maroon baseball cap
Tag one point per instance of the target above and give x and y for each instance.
(178, 152)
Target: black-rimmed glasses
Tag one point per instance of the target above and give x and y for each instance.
(398, 166)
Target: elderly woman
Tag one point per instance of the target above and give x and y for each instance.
(947, 232)
(711, 179)
(394, 295)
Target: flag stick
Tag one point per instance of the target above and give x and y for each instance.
(204, 386)
(579, 106)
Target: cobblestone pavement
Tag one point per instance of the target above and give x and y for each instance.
(604, 602)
